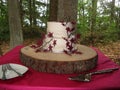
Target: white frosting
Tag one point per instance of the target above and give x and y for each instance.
(59, 47)
(58, 29)
(60, 37)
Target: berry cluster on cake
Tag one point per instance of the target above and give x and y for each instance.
(60, 38)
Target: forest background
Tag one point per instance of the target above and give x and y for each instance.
(98, 22)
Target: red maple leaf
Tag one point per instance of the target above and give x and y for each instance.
(73, 22)
(67, 44)
(66, 52)
(75, 50)
(54, 42)
(72, 40)
(68, 29)
(40, 41)
(33, 46)
(38, 50)
(50, 47)
(50, 34)
(70, 48)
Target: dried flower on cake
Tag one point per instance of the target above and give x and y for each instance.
(37, 50)
(72, 40)
(50, 47)
(34, 46)
(66, 52)
(50, 34)
(70, 47)
(40, 42)
(68, 29)
(67, 44)
(73, 22)
(54, 42)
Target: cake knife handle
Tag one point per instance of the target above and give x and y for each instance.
(105, 71)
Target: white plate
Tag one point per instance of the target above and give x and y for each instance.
(11, 74)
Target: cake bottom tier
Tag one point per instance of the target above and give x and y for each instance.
(60, 63)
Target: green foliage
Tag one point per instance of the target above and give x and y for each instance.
(33, 33)
(105, 30)
(4, 31)
(35, 17)
(4, 28)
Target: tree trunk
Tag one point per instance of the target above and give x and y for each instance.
(53, 10)
(16, 36)
(30, 13)
(1, 4)
(93, 20)
(34, 14)
(63, 10)
(83, 14)
(112, 11)
(21, 13)
(117, 19)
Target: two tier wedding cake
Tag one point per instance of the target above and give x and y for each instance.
(58, 52)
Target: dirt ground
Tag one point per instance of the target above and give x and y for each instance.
(112, 50)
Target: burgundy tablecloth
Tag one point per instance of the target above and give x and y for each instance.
(33, 80)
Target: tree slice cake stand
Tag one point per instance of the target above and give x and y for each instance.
(59, 63)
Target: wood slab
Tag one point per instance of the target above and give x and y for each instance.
(59, 63)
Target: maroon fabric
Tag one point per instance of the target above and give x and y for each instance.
(33, 80)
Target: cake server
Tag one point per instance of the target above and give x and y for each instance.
(87, 77)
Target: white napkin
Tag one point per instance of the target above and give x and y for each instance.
(11, 74)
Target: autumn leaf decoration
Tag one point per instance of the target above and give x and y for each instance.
(50, 47)
(50, 35)
(40, 44)
(71, 40)
(54, 42)
(34, 46)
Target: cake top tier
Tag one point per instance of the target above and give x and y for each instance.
(60, 29)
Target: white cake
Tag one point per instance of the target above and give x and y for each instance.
(59, 37)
